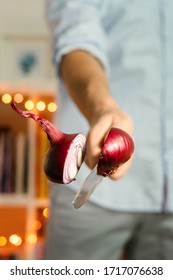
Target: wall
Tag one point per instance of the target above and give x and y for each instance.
(24, 21)
(26, 16)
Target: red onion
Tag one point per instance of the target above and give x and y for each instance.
(117, 149)
(65, 154)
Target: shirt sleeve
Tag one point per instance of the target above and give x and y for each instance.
(76, 24)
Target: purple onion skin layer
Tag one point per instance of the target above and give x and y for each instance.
(57, 154)
(54, 160)
(117, 149)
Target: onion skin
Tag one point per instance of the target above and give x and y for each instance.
(55, 158)
(65, 154)
(117, 149)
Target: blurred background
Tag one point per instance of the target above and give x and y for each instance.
(28, 78)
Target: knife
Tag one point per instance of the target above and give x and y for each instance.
(122, 146)
(88, 186)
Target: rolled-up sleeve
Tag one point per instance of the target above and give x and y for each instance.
(76, 24)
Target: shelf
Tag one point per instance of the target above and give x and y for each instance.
(21, 200)
(42, 203)
(13, 199)
(32, 197)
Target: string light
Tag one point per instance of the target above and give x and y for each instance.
(46, 212)
(6, 98)
(32, 238)
(29, 104)
(18, 97)
(52, 107)
(3, 241)
(41, 106)
(37, 225)
(15, 239)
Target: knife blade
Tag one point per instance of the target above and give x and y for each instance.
(88, 186)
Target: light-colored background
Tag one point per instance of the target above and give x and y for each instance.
(23, 29)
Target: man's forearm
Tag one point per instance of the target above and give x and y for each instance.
(87, 84)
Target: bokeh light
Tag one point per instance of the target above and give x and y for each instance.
(46, 212)
(15, 239)
(3, 241)
(52, 107)
(29, 104)
(18, 97)
(41, 106)
(32, 238)
(37, 225)
(6, 98)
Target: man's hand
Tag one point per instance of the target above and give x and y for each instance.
(99, 129)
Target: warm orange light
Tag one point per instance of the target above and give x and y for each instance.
(29, 105)
(15, 239)
(32, 238)
(3, 241)
(46, 212)
(6, 98)
(18, 98)
(52, 107)
(37, 225)
(41, 106)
